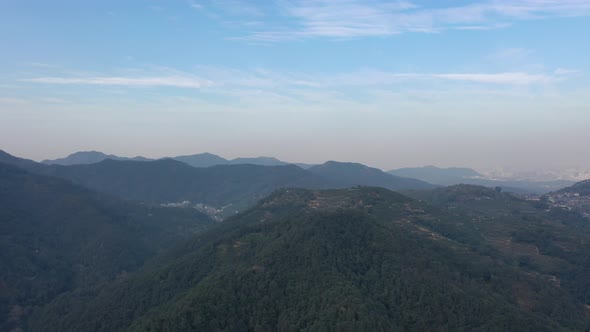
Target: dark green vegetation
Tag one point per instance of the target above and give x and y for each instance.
(355, 259)
(455, 175)
(457, 258)
(547, 242)
(56, 237)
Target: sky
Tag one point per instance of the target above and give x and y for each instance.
(483, 84)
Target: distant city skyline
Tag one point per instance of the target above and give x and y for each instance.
(390, 84)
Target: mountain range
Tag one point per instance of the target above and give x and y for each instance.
(430, 174)
(89, 248)
(228, 187)
(196, 160)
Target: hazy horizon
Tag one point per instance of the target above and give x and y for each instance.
(390, 84)
(498, 171)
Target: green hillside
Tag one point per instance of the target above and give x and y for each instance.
(355, 259)
(56, 237)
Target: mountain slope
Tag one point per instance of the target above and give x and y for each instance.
(202, 160)
(55, 237)
(581, 188)
(541, 238)
(355, 259)
(167, 180)
(350, 174)
(27, 164)
(569, 200)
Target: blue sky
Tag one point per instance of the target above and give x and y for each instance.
(387, 83)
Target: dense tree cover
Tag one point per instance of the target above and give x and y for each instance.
(355, 259)
(56, 237)
(552, 243)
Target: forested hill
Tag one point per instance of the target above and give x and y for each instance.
(351, 174)
(56, 237)
(581, 188)
(360, 259)
(168, 180)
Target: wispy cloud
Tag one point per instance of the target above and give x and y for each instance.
(12, 101)
(171, 81)
(222, 80)
(511, 54)
(565, 71)
(195, 5)
(42, 65)
(501, 78)
(355, 18)
(53, 100)
(372, 77)
(232, 8)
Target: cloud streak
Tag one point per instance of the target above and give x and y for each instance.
(372, 78)
(355, 18)
(170, 81)
(224, 78)
(213, 78)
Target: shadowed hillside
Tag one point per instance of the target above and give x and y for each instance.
(56, 237)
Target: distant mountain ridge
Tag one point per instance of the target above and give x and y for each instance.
(457, 175)
(429, 174)
(205, 159)
(228, 187)
(436, 174)
(88, 157)
(202, 160)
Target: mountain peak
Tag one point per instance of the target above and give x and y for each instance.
(262, 160)
(358, 174)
